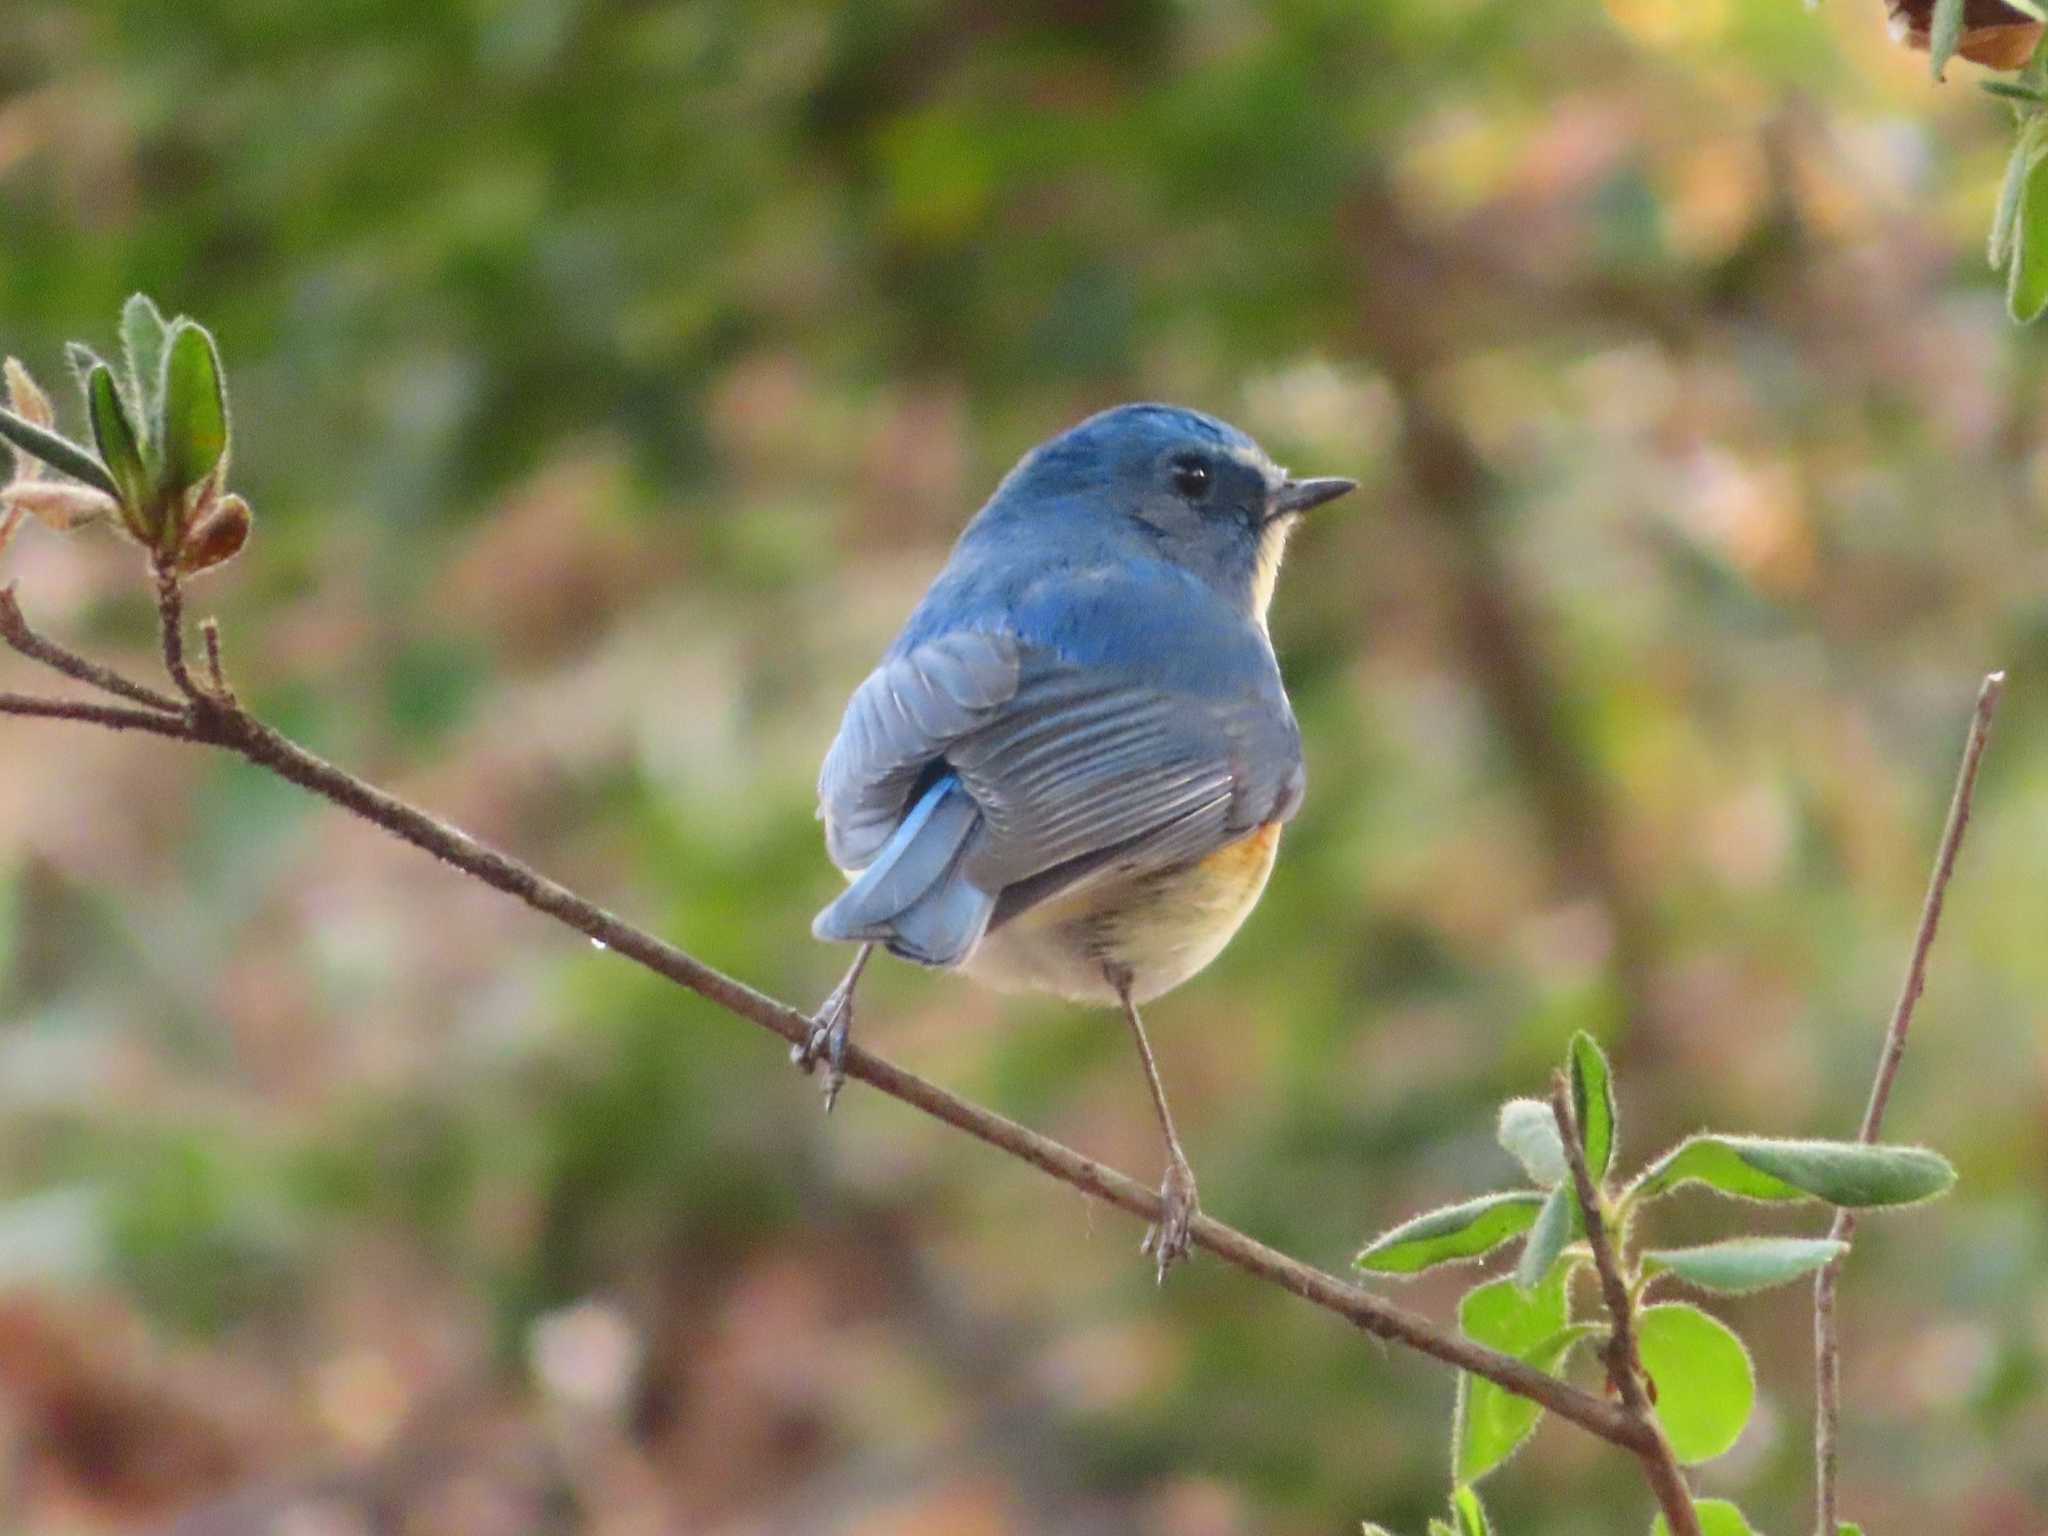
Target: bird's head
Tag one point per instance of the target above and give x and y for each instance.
(1196, 491)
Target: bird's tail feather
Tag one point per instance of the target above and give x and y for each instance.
(913, 898)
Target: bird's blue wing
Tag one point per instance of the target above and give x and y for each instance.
(976, 774)
(900, 721)
(1087, 772)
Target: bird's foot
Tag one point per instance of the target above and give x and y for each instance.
(1168, 1241)
(830, 1027)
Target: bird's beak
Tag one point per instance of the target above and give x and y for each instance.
(1296, 496)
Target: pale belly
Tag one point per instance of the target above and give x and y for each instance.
(1161, 928)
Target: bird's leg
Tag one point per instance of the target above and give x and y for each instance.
(830, 1026)
(1168, 1240)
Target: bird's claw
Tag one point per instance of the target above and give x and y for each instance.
(830, 1027)
(1168, 1240)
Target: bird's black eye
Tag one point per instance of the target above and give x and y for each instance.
(1191, 477)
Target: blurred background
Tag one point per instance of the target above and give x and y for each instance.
(610, 377)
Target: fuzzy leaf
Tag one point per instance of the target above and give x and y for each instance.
(120, 449)
(1944, 33)
(1556, 1224)
(1528, 1132)
(1718, 1517)
(26, 399)
(82, 360)
(2026, 289)
(1450, 1233)
(142, 342)
(1744, 1264)
(1705, 1383)
(59, 505)
(61, 454)
(1847, 1173)
(1471, 1514)
(195, 407)
(1593, 1103)
(2004, 222)
(1491, 1424)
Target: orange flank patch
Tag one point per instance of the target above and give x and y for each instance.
(1244, 862)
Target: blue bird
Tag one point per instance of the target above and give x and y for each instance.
(1070, 770)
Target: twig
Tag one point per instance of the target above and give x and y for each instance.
(19, 637)
(170, 607)
(1624, 1360)
(222, 723)
(216, 675)
(1827, 1343)
(113, 716)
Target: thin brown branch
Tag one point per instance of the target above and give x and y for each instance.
(170, 607)
(115, 717)
(216, 674)
(222, 723)
(15, 632)
(1624, 1360)
(1827, 1341)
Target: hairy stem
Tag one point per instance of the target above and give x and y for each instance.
(1624, 1361)
(1827, 1341)
(15, 631)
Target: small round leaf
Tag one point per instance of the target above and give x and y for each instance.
(1705, 1383)
(1718, 1517)
(1531, 1325)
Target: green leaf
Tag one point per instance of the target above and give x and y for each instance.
(1451, 1233)
(1848, 1528)
(2026, 289)
(1840, 1172)
(82, 360)
(1471, 1514)
(2029, 94)
(1705, 1383)
(1532, 1325)
(142, 341)
(1744, 1264)
(1944, 32)
(1556, 1224)
(60, 453)
(195, 407)
(1998, 250)
(1718, 1517)
(1528, 1132)
(120, 449)
(1593, 1103)
(1439, 1528)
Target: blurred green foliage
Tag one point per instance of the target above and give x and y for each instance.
(609, 377)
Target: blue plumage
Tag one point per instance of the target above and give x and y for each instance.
(1069, 771)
